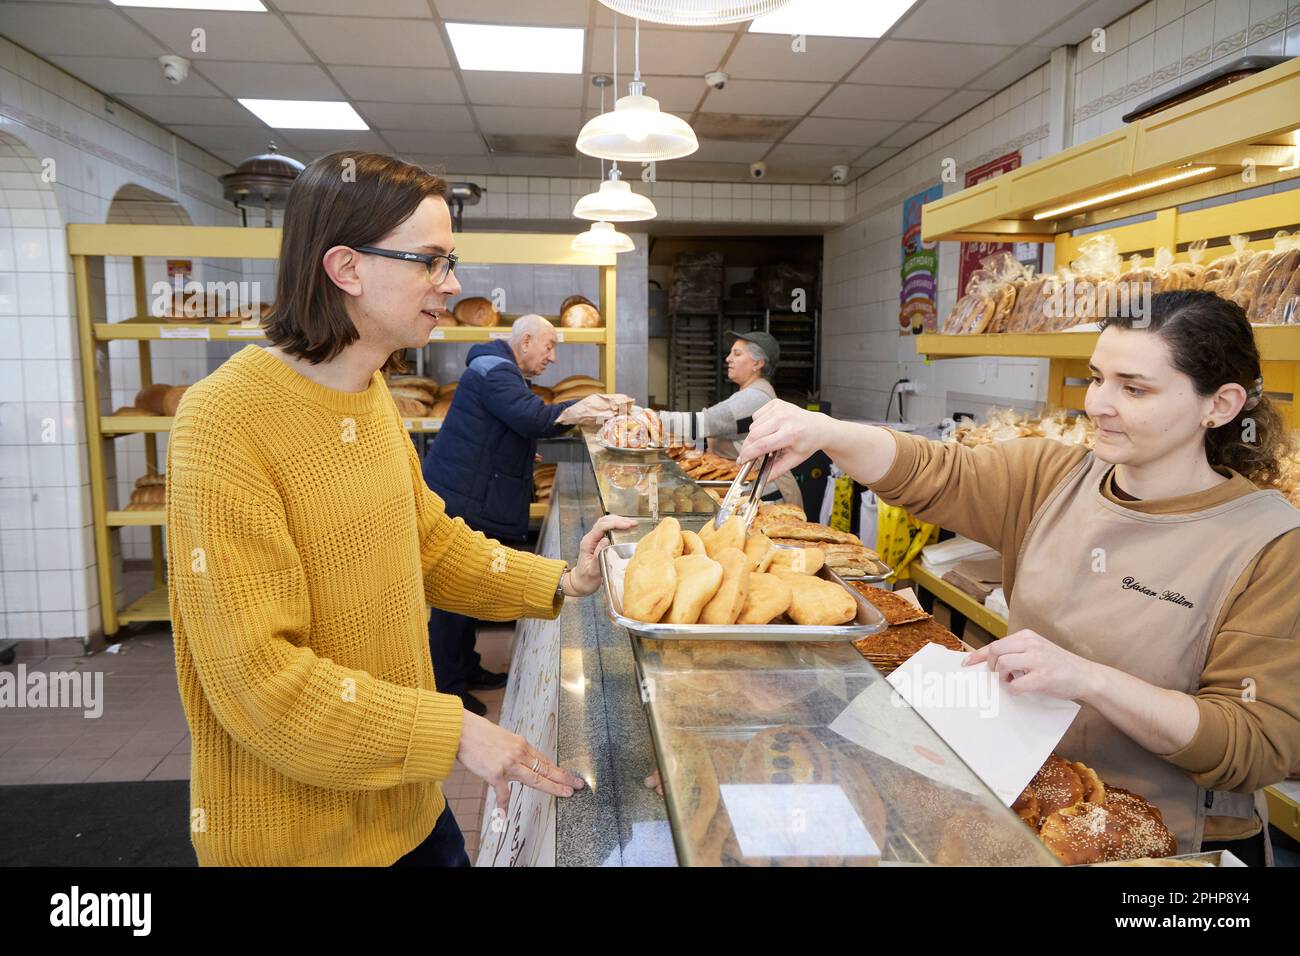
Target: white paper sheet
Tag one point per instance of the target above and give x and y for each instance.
(1003, 738)
(796, 820)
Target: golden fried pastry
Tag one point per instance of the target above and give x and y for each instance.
(697, 784)
(724, 607)
(730, 535)
(797, 560)
(818, 602)
(691, 543)
(1056, 785)
(1094, 791)
(1125, 827)
(1026, 807)
(758, 551)
(698, 579)
(649, 583)
(666, 536)
(768, 598)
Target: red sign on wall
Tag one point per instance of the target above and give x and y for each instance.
(973, 253)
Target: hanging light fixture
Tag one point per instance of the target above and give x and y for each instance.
(602, 237)
(695, 13)
(614, 201)
(636, 129)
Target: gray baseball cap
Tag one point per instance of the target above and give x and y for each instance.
(764, 341)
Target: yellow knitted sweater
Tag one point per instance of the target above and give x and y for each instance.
(303, 548)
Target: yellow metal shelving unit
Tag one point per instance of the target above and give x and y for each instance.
(218, 242)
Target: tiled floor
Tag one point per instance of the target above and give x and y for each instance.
(142, 734)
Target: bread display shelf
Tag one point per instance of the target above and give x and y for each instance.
(474, 333)
(135, 519)
(113, 425)
(149, 328)
(1277, 343)
(152, 607)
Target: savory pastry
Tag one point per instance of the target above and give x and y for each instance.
(785, 755)
(797, 560)
(818, 602)
(666, 536)
(696, 788)
(896, 610)
(806, 532)
(698, 579)
(759, 551)
(730, 535)
(691, 544)
(724, 607)
(1094, 791)
(649, 583)
(1125, 827)
(768, 599)
(1026, 807)
(1057, 786)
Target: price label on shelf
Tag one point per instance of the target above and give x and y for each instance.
(431, 423)
(498, 335)
(183, 333)
(243, 333)
(559, 335)
(407, 424)
(437, 334)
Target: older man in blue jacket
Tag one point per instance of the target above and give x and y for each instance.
(481, 465)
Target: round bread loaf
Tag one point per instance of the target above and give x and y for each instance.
(151, 397)
(172, 400)
(574, 300)
(476, 310)
(581, 315)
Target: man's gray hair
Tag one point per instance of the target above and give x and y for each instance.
(758, 355)
(530, 324)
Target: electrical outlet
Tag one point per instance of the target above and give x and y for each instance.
(908, 388)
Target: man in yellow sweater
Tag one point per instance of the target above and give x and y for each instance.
(305, 550)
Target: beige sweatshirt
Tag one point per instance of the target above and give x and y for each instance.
(990, 494)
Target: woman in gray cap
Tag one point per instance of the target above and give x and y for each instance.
(750, 364)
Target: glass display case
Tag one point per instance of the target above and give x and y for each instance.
(800, 754)
(645, 484)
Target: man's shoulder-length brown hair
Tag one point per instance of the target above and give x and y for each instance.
(348, 198)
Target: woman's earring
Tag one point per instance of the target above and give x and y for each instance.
(1209, 423)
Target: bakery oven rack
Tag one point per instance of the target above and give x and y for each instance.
(89, 243)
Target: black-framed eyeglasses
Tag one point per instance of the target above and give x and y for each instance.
(438, 266)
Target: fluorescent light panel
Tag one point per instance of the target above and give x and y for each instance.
(248, 6)
(1122, 193)
(833, 18)
(488, 46)
(305, 114)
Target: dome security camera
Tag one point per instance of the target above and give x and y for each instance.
(175, 69)
(839, 173)
(757, 170)
(716, 80)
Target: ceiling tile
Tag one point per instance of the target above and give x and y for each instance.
(875, 156)
(489, 88)
(229, 36)
(737, 128)
(120, 77)
(721, 151)
(677, 52)
(206, 110)
(909, 134)
(393, 116)
(461, 165)
(953, 105)
(539, 166)
(514, 119)
(398, 84)
(841, 132)
(762, 57)
(414, 9)
(934, 64)
(765, 96)
(854, 101)
(51, 29)
(988, 21)
(284, 81)
(1079, 25)
(1013, 68)
(686, 170)
(676, 94)
(552, 13)
(436, 142)
(797, 153)
(362, 42)
(247, 140)
(320, 141)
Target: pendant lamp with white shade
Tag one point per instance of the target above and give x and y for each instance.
(636, 130)
(695, 13)
(602, 238)
(615, 202)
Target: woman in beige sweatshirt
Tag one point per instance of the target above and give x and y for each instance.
(1151, 579)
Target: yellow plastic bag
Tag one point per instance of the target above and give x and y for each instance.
(900, 537)
(842, 504)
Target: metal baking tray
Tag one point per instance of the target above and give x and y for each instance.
(869, 620)
(883, 573)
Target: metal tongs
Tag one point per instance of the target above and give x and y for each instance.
(741, 502)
